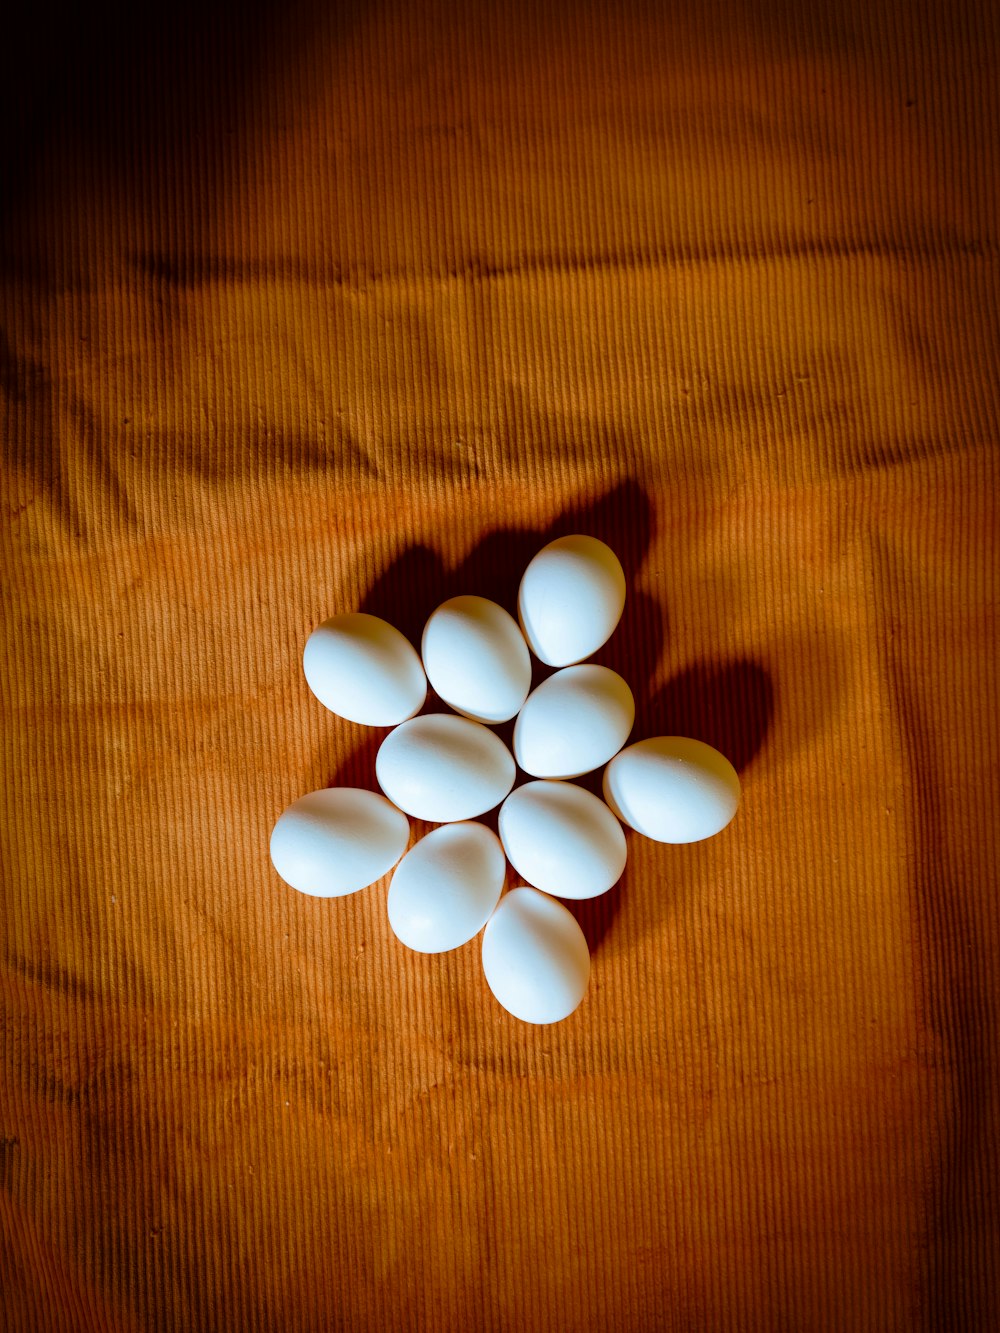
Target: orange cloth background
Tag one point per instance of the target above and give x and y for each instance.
(328, 308)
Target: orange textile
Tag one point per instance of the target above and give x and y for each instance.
(313, 308)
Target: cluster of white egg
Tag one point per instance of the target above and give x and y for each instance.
(449, 768)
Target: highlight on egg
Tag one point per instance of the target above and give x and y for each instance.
(570, 599)
(476, 658)
(573, 722)
(337, 840)
(444, 768)
(672, 789)
(562, 839)
(445, 888)
(535, 957)
(363, 669)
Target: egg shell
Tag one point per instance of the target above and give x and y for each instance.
(337, 840)
(476, 658)
(363, 669)
(562, 839)
(444, 768)
(573, 722)
(571, 599)
(672, 789)
(535, 957)
(445, 888)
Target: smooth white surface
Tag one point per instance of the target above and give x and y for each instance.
(573, 722)
(570, 599)
(362, 668)
(476, 658)
(445, 888)
(672, 789)
(443, 768)
(337, 840)
(562, 839)
(535, 957)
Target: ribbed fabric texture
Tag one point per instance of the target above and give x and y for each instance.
(326, 308)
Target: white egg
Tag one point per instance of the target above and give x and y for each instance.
(562, 839)
(337, 840)
(573, 722)
(672, 788)
(535, 957)
(443, 768)
(476, 658)
(363, 669)
(571, 598)
(445, 888)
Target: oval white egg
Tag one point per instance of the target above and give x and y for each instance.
(337, 840)
(476, 658)
(364, 669)
(672, 788)
(573, 722)
(445, 888)
(562, 839)
(571, 599)
(535, 957)
(444, 768)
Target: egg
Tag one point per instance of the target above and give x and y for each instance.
(443, 768)
(571, 598)
(562, 839)
(535, 957)
(476, 658)
(672, 788)
(573, 722)
(445, 888)
(337, 840)
(363, 669)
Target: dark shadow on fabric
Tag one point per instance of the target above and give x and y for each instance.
(114, 78)
(730, 705)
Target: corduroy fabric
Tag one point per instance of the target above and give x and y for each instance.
(315, 308)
